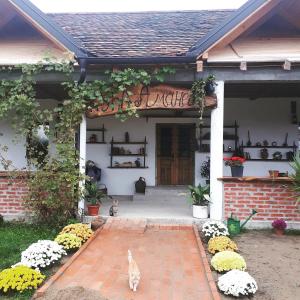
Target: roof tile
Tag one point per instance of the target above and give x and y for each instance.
(144, 34)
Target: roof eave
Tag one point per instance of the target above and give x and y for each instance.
(138, 60)
(232, 21)
(50, 27)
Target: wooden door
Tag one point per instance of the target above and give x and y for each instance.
(175, 154)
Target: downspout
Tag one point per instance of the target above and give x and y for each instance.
(82, 64)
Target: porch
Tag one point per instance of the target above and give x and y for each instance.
(158, 205)
(264, 113)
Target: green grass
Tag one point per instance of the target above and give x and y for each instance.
(15, 238)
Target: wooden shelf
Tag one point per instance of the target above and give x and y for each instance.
(95, 129)
(225, 139)
(102, 130)
(270, 147)
(127, 167)
(131, 154)
(113, 148)
(129, 143)
(273, 160)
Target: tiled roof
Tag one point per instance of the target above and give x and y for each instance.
(145, 34)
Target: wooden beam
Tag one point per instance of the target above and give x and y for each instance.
(205, 56)
(199, 66)
(287, 65)
(243, 66)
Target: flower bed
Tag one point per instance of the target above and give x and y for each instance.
(212, 229)
(42, 254)
(228, 260)
(221, 243)
(20, 278)
(80, 230)
(69, 241)
(235, 282)
(24, 277)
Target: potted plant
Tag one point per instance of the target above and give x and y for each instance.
(199, 198)
(205, 170)
(236, 165)
(93, 196)
(279, 226)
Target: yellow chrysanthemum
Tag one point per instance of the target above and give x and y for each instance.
(20, 278)
(82, 231)
(228, 260)
(221, 243)
(69, 241)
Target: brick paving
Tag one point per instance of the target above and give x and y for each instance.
(171, 264)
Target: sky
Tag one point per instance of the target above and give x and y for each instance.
(132, 5)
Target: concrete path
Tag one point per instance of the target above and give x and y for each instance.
(171, 260)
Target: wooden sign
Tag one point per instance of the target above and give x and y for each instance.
(154, 97)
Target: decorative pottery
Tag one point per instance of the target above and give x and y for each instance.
(237, 171)
(209, 89)
(264, 153)
(140, 186)
(277, 155)
(200, 212)
(93, 138)
(273, 173)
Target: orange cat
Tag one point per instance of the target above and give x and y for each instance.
(133, 273)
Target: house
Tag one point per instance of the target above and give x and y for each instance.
(254, 53)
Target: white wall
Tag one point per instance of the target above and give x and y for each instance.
(265, 118)
(121, 181)
(16, 144)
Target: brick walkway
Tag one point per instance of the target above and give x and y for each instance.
(168, 257)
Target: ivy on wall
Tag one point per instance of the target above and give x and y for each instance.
(53, 180)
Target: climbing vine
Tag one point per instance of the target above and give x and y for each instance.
(200, 89)
(53, 175)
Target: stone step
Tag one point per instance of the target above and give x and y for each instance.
(160, 197)
(167, 191)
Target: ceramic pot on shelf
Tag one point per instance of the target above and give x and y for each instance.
(237, 171)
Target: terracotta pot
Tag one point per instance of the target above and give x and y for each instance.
(279, 231)
(93, 210)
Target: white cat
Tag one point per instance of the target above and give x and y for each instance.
(133, 273)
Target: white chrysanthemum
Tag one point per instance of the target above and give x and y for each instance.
(237, 283)
(42, 254)
(214, 228)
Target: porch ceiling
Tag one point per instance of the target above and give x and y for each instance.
(232, 90)
(262, 90)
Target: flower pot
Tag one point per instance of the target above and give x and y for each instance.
(93, 210)
(237, 171)
(200, 212)
(279, 231)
